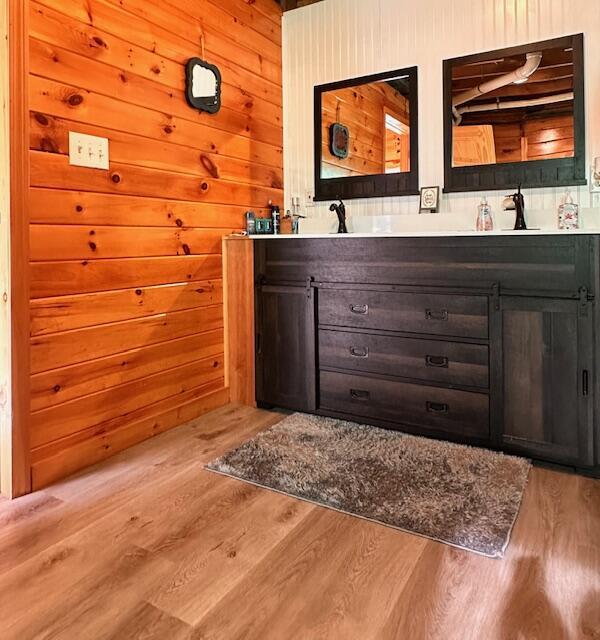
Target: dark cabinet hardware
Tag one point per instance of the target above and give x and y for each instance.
(496, 296)
(432, 314)
(309, 287)
(583, 302)
(438, 407)
(360, 309)
(585, 382)
(359, 352)
(258, 344)
(440, 362)
(359, 394)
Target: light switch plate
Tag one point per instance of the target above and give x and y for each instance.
(88, 151)
(594, 184)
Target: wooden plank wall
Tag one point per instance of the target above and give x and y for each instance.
(539, 139)
(362, 110)
(127, 317)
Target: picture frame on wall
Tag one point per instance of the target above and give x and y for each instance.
(429, 200)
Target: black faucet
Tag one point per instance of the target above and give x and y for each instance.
(340, 209)
(519, 200)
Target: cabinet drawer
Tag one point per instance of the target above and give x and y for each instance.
(449, 411)
(427, 313)
(430, 360)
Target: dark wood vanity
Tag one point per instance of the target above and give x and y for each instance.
(487, 340)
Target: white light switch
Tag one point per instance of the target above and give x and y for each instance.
(88, 151)
(595, 176)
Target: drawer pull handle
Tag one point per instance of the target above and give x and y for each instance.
(360, 309)
(440, 362)
(359, 352)
(437, 407)
(432, 314)
(359, 394)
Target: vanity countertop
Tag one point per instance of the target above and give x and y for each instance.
(433, 234)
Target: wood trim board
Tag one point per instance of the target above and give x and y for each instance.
(16, 476)
(238, 265)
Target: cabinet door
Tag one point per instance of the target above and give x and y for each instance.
(285, 349)
(547, 379)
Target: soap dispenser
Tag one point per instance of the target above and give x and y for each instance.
(568, 214)
(485, 222)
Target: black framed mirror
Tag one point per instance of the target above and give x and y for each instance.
(203, 85)
(366, 136)
(515, 116)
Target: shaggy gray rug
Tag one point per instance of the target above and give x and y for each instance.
(462, 496)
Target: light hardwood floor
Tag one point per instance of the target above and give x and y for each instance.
(150, 545)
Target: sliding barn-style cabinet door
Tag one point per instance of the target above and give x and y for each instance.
(547, 378)
(285, 349)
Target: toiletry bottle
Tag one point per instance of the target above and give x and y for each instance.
(485, 222)
(568, 214)
(250, 223)
(275, 217)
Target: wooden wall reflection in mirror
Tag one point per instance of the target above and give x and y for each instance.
(366, 136)
(516, 116)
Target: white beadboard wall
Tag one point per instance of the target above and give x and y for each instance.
(337, 39)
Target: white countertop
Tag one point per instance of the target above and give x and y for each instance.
(444, 225)
(430, 234)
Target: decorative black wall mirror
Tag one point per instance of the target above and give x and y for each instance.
(366, 137)
(515, 116)
(203, 85)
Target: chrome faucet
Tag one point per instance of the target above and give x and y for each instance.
(296, 217)
(340, 210)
